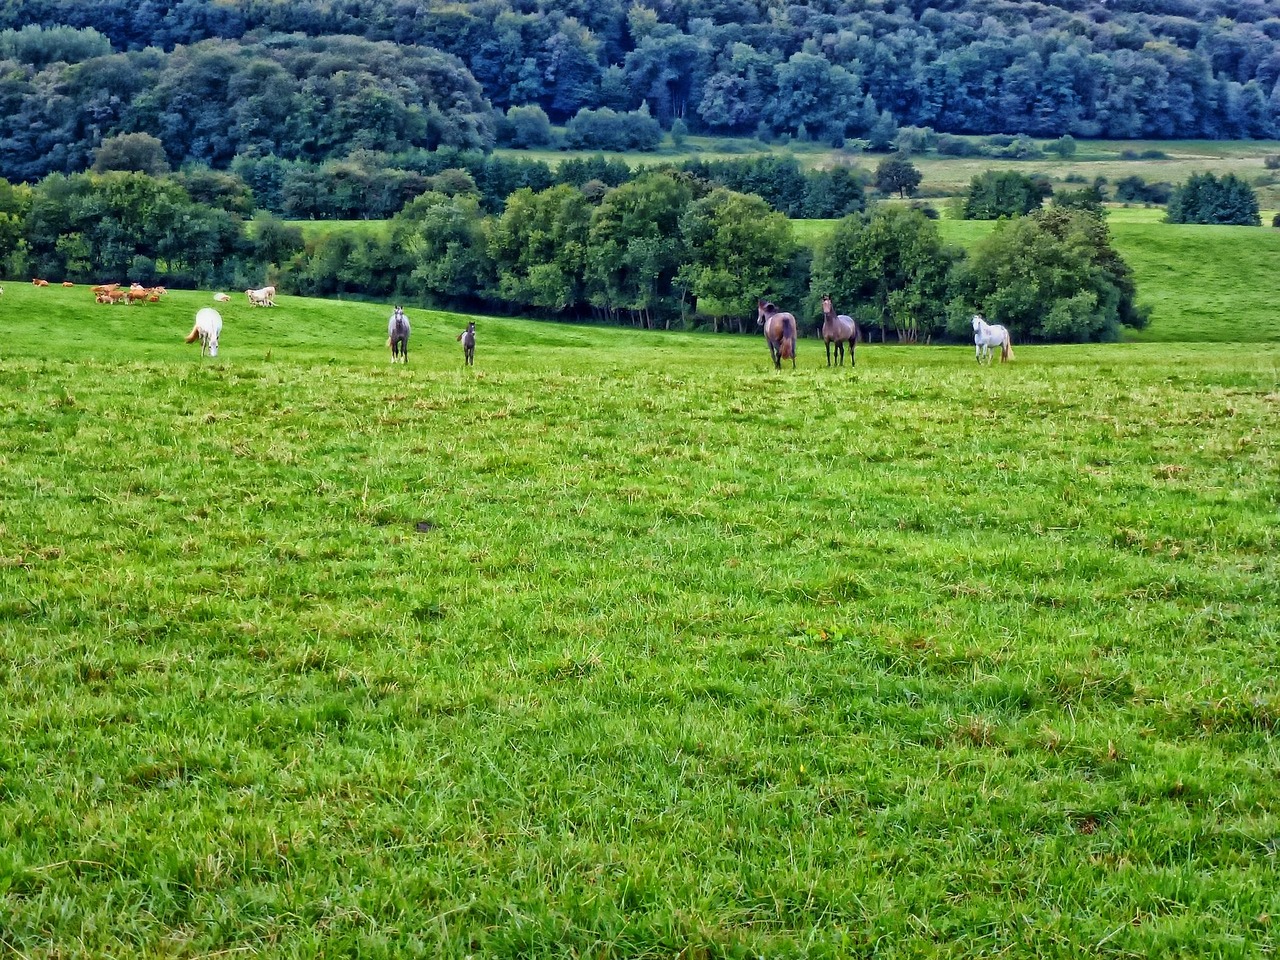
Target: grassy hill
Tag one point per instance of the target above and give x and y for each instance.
(623, 644)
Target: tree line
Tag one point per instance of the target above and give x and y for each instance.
(665, 248)
(312, 79)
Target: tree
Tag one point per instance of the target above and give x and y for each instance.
(897, 173)
(443, 244)
(1086, 198)
(539, 247)
(1003, 193)
(892, 268)
(140, 152)
(737, 251)
(1205, 198)
(634, 245)
(527, 127)
(1053, 276)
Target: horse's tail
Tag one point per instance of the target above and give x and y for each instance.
(788, 350)
(1006, 348)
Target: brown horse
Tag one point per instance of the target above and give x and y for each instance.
(779, 333)
(839, 329)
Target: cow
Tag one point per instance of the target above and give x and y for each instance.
(262, 297)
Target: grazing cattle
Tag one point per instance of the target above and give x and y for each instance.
(262, 297)
(112, 296)
(67, 283)
(222, 298)
(104, 287)
(207, 329)
(39, 283)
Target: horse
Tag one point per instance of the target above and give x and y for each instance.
(398, 335)
(468, 338)
(779, 333)
(988, 335)
(208, 326)
(839, 329)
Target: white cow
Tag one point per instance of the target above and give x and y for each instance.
(262, 297)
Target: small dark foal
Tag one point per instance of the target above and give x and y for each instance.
(468, 338)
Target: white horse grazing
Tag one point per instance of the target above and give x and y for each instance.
(988, 335)
(208, 327)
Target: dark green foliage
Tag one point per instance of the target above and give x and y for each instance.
(1133, 189)
(1004, 193)
(604, 129)
(1205, 198)
(526, 127)
(1088, 199)
(821, 194)
(891, 269)
(139, 152)
(635, 247)
(897, 174)
(294, 97)
(1052, 276)
(214, 78)
(738, 250)
(88, 226)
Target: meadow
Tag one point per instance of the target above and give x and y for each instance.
(1156, 161)
(624, 644)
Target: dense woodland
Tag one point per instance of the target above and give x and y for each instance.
(314, 79)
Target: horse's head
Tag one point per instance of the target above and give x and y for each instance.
(764, 310)
(978, 322)
(213, 344)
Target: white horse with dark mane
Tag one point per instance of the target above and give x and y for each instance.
(988, 335)
(207, 330)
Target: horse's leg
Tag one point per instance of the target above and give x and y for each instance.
(827, 343)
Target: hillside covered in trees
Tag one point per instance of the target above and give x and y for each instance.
(314, 79)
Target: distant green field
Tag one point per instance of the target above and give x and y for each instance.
(1203, 283)
(625, 645)
(948, 176)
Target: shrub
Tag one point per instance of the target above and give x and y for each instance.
(1206, 199)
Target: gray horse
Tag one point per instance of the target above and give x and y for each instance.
(839, 329)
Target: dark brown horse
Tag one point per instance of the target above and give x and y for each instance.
(839, 329)
(779, 333)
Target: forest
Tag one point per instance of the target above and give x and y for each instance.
(312, 80)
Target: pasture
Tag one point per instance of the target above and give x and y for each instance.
(623, 644)
(1204, 283)
(1171, 161)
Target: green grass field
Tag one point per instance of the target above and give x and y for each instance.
(948, 175)
(625, 645)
